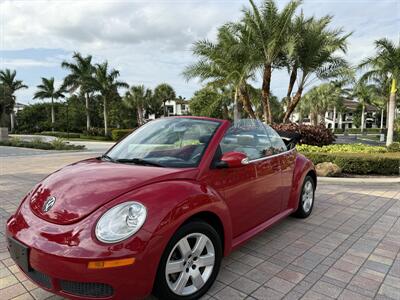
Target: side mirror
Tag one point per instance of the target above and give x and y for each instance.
(232, 159)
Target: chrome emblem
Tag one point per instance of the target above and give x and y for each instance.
(49, 203)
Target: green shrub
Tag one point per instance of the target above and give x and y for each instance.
(366, 130)
(97, 138)
(61, 134)
(38, 143)
(342, 148)
(394, 147)
(360, 163)
(118, 134)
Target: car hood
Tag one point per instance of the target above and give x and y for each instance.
(81, 188)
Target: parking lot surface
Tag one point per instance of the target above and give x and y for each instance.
(348, 249)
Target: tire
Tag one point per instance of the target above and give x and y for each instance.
(189, 265)
(307, 190)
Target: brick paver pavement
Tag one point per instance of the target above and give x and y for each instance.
(348, 249)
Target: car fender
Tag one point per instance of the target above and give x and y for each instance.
(302, 167)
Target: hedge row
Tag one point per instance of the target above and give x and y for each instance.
(60, 134)
(360, 163)
(310, 135)
(37, 143)
(118, 134)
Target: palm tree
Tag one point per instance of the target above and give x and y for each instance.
(315, 52)
(80, 77)
(105, 81)
(364, 94)
(270, 37)
(7, 103)
(228, 62)
(138, 97)
(386, 61)
(164, 92)
(47, 90)
(11, 85)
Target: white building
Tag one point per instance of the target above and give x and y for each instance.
(176, 107)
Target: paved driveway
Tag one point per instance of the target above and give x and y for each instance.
(348, 249)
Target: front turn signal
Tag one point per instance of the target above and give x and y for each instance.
(103, 264)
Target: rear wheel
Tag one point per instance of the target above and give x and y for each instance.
(306, 199)
(190, 262)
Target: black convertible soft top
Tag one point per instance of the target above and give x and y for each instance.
(290, 138)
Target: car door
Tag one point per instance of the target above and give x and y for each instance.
(251, 192)
(286, 160)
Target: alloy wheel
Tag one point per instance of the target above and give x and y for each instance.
(307, 196)
(190, 264)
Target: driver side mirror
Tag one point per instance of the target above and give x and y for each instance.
(232, 159)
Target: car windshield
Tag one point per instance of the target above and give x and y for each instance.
(168, 142)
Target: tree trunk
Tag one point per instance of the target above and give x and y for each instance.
(293, 104)
(244, 95)
(334, 119)
(105, 116)
(236, 115)
(292, 81)
(225, 111)
(12, 121)
(314, 118)
(52, 114)
(382, 112)
(87, 112)
(265, 93)
(363, 118)
(392, 109)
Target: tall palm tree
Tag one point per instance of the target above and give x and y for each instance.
(105, 81)
(164, 92)
(11, 85)
(365, 94)
(316, 56)
(228, 62)
(8, 78)
(47, 90)
(80, 77)
(137, 97)
(386, 61)
(7, 103)
(269, 30)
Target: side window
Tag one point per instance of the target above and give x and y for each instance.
(254, 139)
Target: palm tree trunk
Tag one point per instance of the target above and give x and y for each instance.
(382, 112)
(392, 109)
(334, 119)
(314, 118)
(291, 107)
(52, 114)
(236, 115)
(87, 112)
(105, 116)
(246, 102)
(265, 93)
(292, 81)
(362, 118)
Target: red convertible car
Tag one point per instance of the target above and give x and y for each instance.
(159, 210)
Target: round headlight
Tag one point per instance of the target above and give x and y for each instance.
(121, 222)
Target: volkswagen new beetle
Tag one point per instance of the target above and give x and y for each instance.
(159, 210)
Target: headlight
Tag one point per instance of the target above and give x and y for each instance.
(121, 222)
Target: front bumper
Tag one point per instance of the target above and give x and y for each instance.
(59, 257)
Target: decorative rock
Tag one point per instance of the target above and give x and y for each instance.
(328, 169)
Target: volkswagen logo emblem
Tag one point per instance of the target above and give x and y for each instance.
(49, 203)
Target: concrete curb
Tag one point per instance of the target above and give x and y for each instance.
(359, 180)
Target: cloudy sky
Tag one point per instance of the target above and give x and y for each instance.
(149, 41)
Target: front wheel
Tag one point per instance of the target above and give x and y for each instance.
(306, 199)
(190, 262)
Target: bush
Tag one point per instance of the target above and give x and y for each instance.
(118, 134)
(342, 148)
(394, 147)
(310, 135)
(38, 143)
(94, 131)
(366, 130)
(61, 134)
(360, 163)
(96, 138)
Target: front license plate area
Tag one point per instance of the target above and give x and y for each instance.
(19, 253)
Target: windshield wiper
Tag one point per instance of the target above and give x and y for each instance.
(139, 161)
(105, 156)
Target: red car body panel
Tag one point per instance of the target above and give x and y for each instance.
(62, 241)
